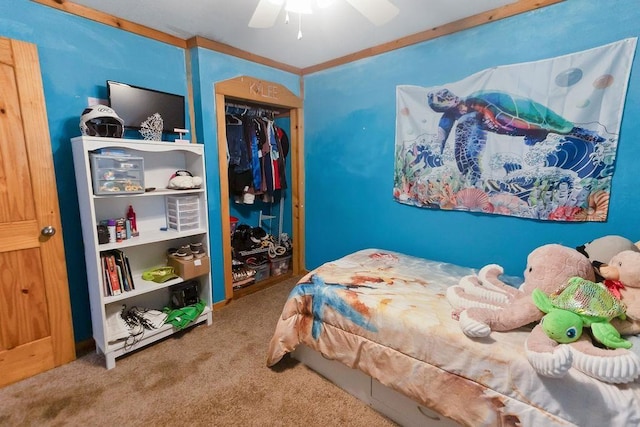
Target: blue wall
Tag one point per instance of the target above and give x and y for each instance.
(350, 131)
(210, 67)
(77, 56)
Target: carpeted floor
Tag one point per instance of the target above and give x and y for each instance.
(207, 376)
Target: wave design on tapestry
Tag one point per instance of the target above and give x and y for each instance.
(542, 150)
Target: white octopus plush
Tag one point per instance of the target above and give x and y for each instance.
(184, 180)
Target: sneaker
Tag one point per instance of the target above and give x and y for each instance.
(242, 273)
(197, 250)
(183, 253)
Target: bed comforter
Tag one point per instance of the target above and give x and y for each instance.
(385, 314)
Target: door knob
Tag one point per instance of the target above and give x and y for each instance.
(48, 231)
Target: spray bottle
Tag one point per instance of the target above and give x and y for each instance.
(131, 216)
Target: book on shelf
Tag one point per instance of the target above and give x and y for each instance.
(112, 275)
(106, 283)
(116, 272)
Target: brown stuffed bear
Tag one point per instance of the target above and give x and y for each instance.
(624, 270)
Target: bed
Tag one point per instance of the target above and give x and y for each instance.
(378, 324)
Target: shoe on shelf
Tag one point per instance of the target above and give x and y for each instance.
(183, 252)
(242, 273)
(197, 250)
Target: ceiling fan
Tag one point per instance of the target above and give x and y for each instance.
(378, 12)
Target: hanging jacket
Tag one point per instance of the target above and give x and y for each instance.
(239, 168)
(283, 148)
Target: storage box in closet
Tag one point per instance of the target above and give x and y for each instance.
(183, 212)
(262, 271)
(280, 266)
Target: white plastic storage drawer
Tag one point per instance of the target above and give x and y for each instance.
(117, 174)
(404, 410)
(183, 212)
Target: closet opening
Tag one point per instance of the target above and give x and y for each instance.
(260, 157)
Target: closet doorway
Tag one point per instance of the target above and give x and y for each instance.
(271, 97)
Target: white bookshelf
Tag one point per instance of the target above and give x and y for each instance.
(148, 250)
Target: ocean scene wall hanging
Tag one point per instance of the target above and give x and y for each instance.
(534, 140)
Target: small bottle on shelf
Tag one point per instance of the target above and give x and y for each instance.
(120, 233)
(131, 216)
(111, 226)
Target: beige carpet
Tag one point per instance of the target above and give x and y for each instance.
(207, 376)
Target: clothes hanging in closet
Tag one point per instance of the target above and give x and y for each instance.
(257, 150)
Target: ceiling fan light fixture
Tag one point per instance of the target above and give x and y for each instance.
(322, 4)
(298, 6)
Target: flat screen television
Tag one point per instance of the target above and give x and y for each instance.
(135, 104)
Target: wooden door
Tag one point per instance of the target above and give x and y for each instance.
(35, 315)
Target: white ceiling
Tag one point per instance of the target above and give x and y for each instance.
(327, 34)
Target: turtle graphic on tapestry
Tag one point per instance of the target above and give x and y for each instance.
(535, 140)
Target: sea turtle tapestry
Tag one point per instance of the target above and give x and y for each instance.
(534, 140)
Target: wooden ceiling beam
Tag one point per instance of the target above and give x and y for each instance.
(493, 15)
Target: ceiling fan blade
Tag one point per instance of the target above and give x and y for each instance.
(265, 14)
(379, 12)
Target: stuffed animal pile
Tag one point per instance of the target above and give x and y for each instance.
(484, 303)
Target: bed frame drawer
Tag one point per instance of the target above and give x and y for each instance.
(404, 410)
(350, 380)
(391, 403)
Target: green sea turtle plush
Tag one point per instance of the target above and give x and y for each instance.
(581, 303)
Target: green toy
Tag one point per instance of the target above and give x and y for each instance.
(581, 303)
(182, 317)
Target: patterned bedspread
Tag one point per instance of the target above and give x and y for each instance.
(385, 314)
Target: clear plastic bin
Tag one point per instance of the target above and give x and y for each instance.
(117, 174)
(262, 272)
(280, 266)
